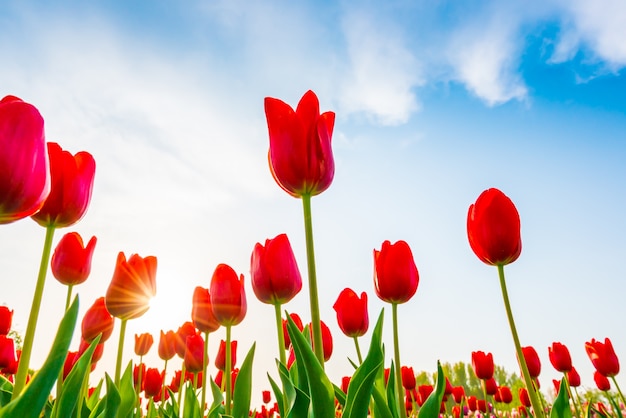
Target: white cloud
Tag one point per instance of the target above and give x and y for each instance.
(382, 71)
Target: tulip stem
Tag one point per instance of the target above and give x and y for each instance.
(621, 395)
(396, 353)
(181, 381)
(69, 297)
(120, 349)
(569, 392)
(205, 364)
(163, 384)
(532, 393)
(358, 349)
(318, 346)
(27, 347)
(281, 335)
(227, 372)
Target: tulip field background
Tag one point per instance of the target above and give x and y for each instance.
(434, 104)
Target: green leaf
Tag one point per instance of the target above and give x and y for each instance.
(128, 397)
(380, 404)
(297, 400)
(392, 396)
(192, 408)
(243, 387)
(560, 407)
(432, 405)
(321, 389)
(72, 388)
(111, 400)
(278, 395)
(6, 391)
(32, 400)
(217, 409)
(93, 400)
(362, 382)
(340, 396)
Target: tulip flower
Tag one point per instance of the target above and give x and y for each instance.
(6, 320)
(423, 392)
(129, 293)
(493, 228)
(602, 382)
(351, 312)
(532, 361)
(153, 383)
(298, 321)
(228, 298)
(7, 351)
(220, 359)
(524, 398)
(458, 393)
(396, 276)
(573, 377)
(345, 382)
(327, 340)
(185, 330)
(194, 354)
(72, 183)
(560, 357)
(139, 376)
(408, 378)
(97, 352)
(70, 360)
(24, 163)
(167, 345)
(71, 260)
(491, 386)
(202, 311)
(483, 365)
(97, 320)
(143, 343)
(300, 155)
(603, 357)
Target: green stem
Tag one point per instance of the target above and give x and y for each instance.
(163, 384)
(138, 388)
(69, 296)
(205, 364)
(318, 346)
(183, 371)
(396, 353)
(281, 336)
(534, 399)
(358, 350)
(227, 372)
(27, 347)
(120, 349)
(621, 395)
(569, 392)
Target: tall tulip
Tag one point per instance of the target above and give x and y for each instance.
(70, 193)
(327, 340)
(143, 343)
(602, 382)
(560, 357)
(532, 361)
(71, 261)
(167, 350)
(275, 278)
(194, 354)
(97, 320)
(129, 293)
(6, 319)
(7, 351)
(482, 363)
(220, 358)
(228, 299)
(352, 316)
(493, 231)
(153, 383)
(408, 377)
(24, 163)
(605, 361)
(395, 281)
(301, 161)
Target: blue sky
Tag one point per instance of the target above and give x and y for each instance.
(435, 102)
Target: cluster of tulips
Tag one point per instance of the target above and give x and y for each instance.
(40, 180)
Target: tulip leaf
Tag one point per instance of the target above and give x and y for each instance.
(432, 405)
(32, 400)
(243, 387)
(380, 404)
(560, 407)
(340, 395)
(108, 406)
(616, 407)
(6, 390)
(278, 395)
(392, 396)
(297, 400)
(73, 384)
(362, 382)
(321, 389)
(128, 397)
(94, 398)
(192, 408)
(217, 408)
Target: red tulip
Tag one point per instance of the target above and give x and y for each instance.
(524, 398)
(345, 382)
(176, 380)
(481, 405)
(472, 403)
(482, 364)
(7, 351)
(532, 361)
(493, 228)
(202, 311)
(602, 382)
(327, 340)
(228, 297)
(456, 411)
(296, 319)
(603, 357)
(143, 343)
(267, 396)
(573, 378)
(458, 393)
(194, 354)
(396, 277)
(274, 271)
(408, 377)
(138, 370)
(560, 357)
(24, 163)
(72, 183)
(352, 313)
(71, 261)
(167, 345)
(97, 320)
(491, 386)
(220, 359)
(132, 286)
(70, 359)
(424, 392)
(6, 319)
(97, 352)
(154, 382)
(300, 155)
(12, 367)
(557, 385)
(505, 394)
(184, 331)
